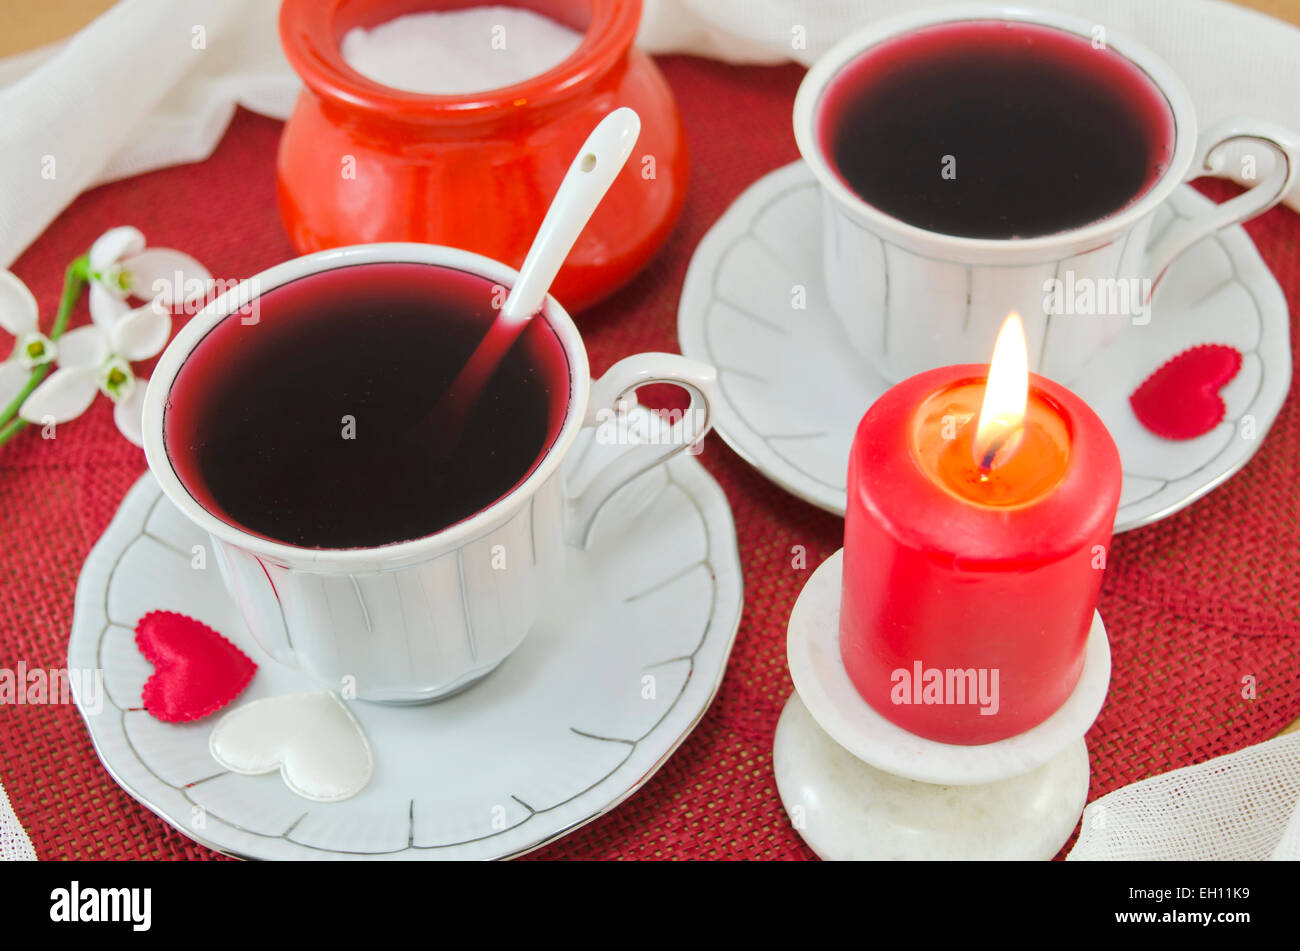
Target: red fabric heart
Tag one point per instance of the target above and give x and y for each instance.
(1181, 399)
(196, 670)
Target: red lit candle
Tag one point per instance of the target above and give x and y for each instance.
(980, 507)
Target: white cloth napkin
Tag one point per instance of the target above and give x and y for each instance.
(14, 844)
(1242, 806)
(150, 83)
(153, 83)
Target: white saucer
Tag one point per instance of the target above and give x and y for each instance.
(791, 389)
(823, 684)
(561, 733)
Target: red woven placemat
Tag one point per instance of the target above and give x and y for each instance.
(1192, 604)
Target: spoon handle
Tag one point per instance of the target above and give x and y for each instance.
(594, 169)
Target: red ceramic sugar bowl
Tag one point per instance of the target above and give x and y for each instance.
(361, 162)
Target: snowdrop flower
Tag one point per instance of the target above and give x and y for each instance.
(97, 358)
(18, 315)
(121, 267)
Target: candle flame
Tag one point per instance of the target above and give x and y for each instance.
(1002, 415)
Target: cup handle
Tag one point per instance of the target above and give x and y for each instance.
(1209, 160)
(609, 399)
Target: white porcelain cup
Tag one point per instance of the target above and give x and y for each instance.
(419, 620)
(912, 299)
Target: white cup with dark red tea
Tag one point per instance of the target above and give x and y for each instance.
(979, 160)
(385, 553)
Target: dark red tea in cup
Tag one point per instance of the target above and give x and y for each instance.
(313, 426)
(995, 129)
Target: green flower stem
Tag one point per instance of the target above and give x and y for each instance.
(8, 432)
(74, 280)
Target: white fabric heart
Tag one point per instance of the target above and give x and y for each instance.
(311, 738)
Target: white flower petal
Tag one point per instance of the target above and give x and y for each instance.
(114, 245)
(85, 347)
(65, 395)
(173, 276)
(142, 333)
(13, 377)
(106, 309)
(17, 305)
(129, 414)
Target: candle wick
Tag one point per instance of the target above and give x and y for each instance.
(986, 461)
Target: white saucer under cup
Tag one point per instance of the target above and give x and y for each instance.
(856, 786)
(791, 388)
(606, 686)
